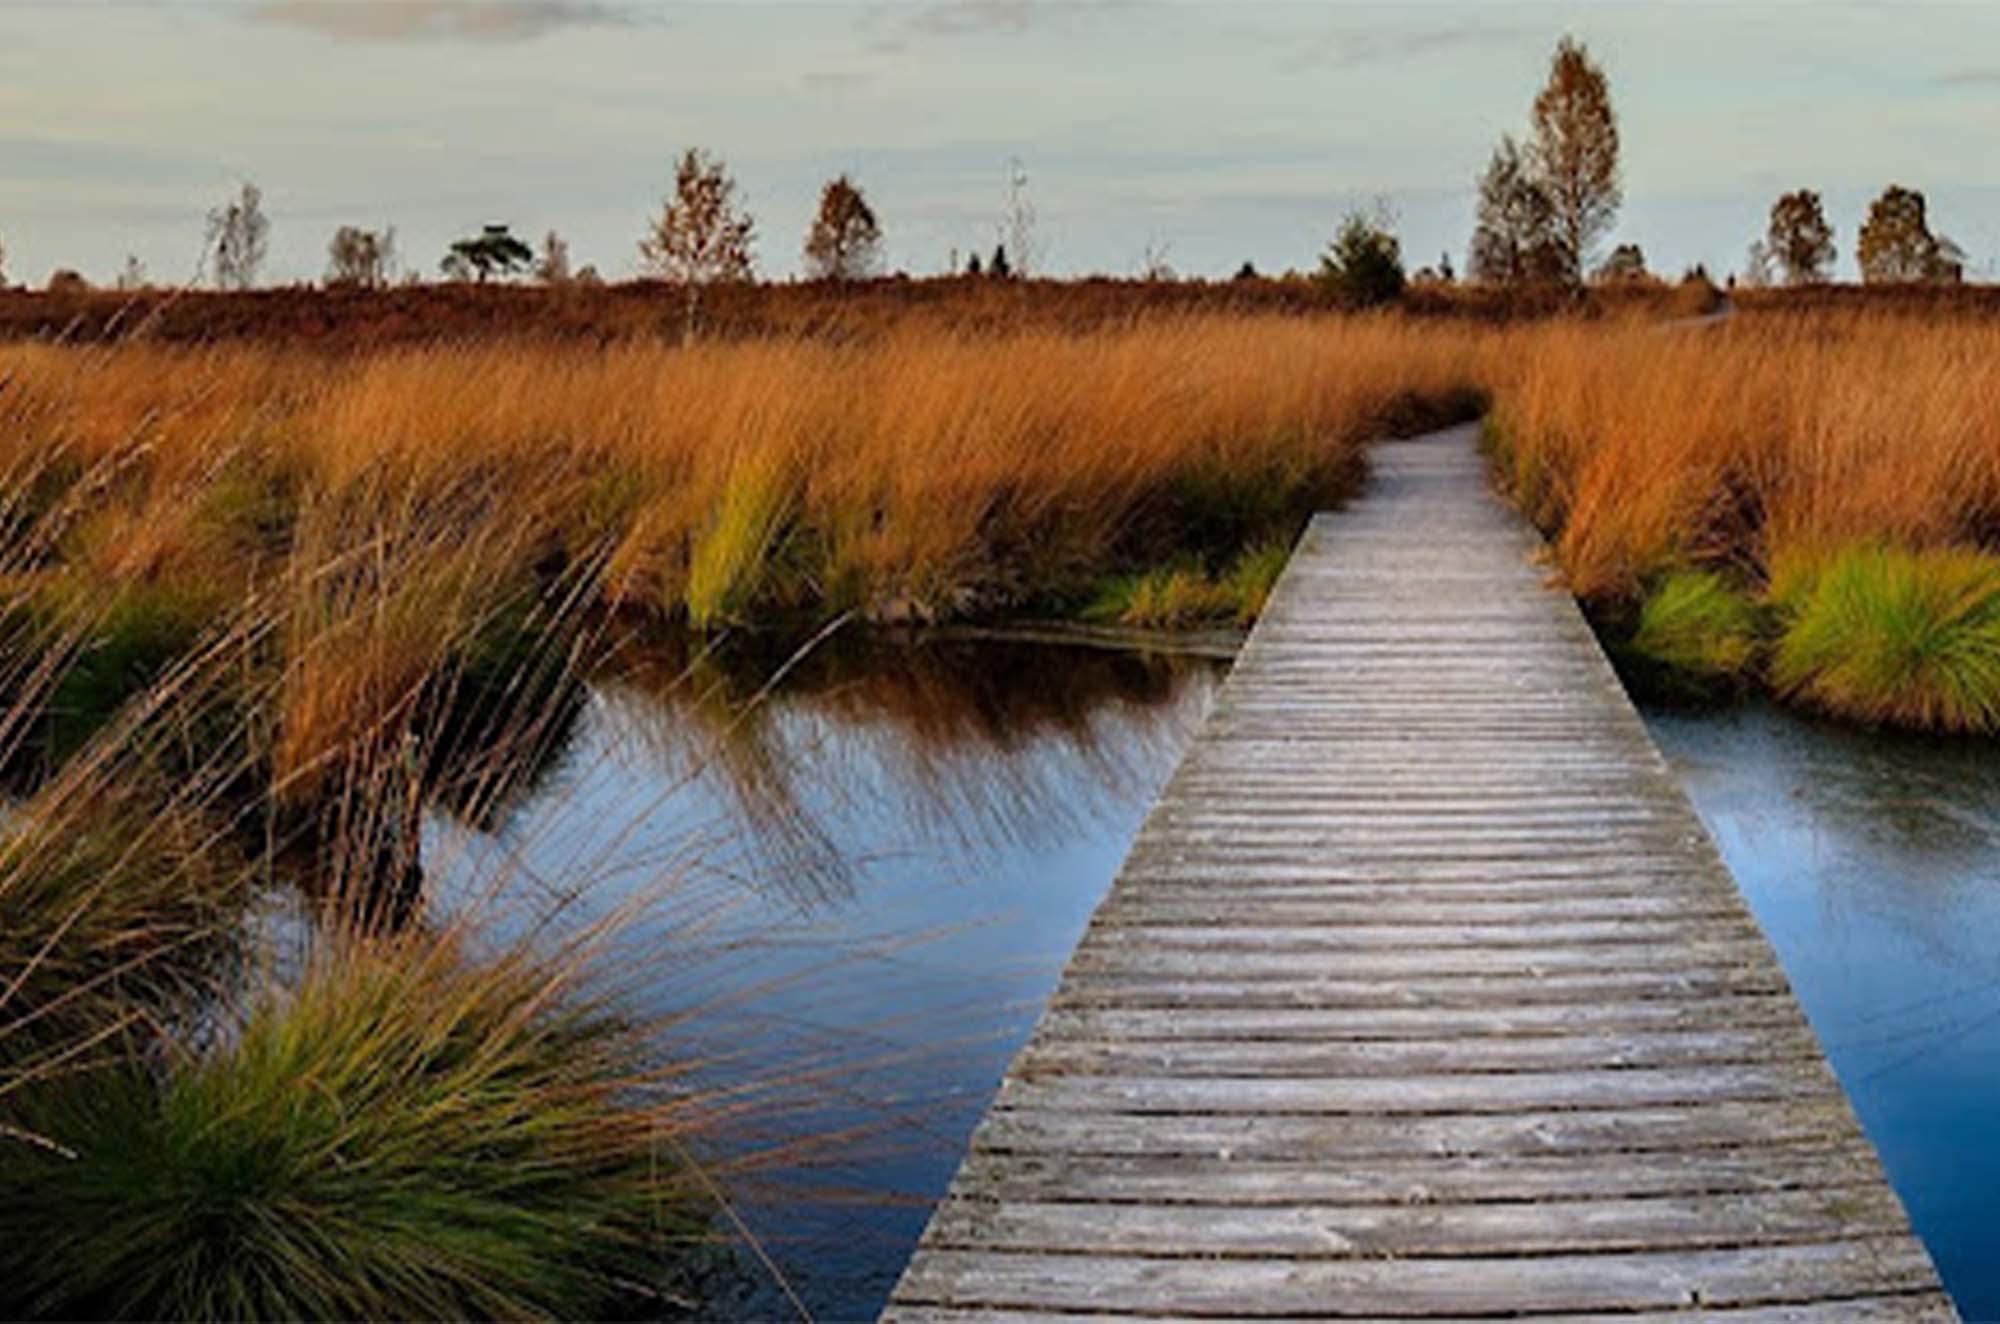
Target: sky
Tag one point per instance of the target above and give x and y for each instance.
(1210, 133)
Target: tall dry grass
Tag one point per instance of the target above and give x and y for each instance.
(915, 474)
(1644, 448)
(1770, 451)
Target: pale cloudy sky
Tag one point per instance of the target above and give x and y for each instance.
(1217, 131)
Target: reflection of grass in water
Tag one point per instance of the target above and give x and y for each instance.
(953, 741)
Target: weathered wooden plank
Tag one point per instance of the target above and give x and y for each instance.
(1714, 1127)
(1635, 1087)
(1671, 1280)
(1355, 906)
(1338, 1231)
(1317, 1026)
(1691, 933)
(1081, 987)
(1055, 1050)
(1926, 1307)
(1204, 1179)
(1422, 993)
(1095, 955)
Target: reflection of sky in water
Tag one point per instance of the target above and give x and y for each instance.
(864, 889)
(1874, 865)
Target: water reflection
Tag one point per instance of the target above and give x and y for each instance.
(1873, 863)
(993, 749)
(865, 878)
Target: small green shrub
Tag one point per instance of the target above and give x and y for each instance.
(1363, 266)
(1907, 638)
(1698, 623)
(407, 1135)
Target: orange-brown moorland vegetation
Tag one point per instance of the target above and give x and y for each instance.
(1815, 497)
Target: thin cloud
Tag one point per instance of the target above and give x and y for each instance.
(893, 26)
(420, 20)
(1972, 78)
(835, 81)
(1364, 49)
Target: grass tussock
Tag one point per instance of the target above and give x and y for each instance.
(1887, 635)
(1184, 595)
(406, 1134)
(1699, 624)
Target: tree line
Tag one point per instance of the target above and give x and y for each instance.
(1545, 205)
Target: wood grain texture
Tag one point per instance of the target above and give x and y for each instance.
(1422, 994)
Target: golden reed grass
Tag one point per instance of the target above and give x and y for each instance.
(1642, 449)
(1815, 498)
(923, 474)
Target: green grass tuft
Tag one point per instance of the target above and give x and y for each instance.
(1183, 595)
(1699, 624)
(1255, 573)
(406, 1135)
(1904, 638)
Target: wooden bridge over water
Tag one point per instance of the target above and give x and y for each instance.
(1423, 993)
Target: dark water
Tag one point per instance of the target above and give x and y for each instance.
(860, 887)
(854, 893)
(1873, 863)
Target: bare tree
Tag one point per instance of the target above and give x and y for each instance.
(238, 237)
(701, 236)
(552, 267)
(131, 277)
(1897, 246)
(1513, 242)
(1575, 154)
(1799, 239)
(361, 259)
(1017, 230)
(845, 240)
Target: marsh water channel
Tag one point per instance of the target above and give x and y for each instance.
(850, 892)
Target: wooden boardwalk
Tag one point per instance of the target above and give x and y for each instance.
(1423, 993)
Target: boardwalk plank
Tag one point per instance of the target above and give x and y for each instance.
(1206, 1180)
(1660, 1280)
(1336, 1231)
